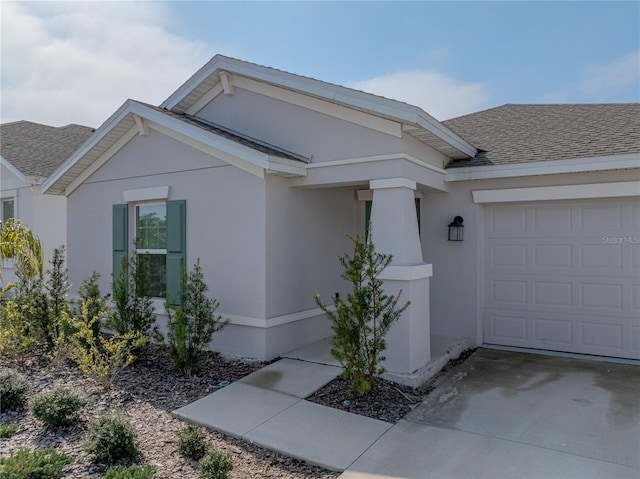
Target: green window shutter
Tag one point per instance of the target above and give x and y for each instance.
(176, 247)
(120, 236)
(367, 219)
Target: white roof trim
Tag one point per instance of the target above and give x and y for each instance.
(398, 111)
(564, 192)
(244, 157)
(7, 164)
(551, 167)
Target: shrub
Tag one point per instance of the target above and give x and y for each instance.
(13, 389)
(131, 294)
(27, 464)
(131, 472)
(110, 437)
(191, 442)
(215, 465)
(193, 323)
(102, 358)
(7, 430)
(58, 407)
(16, 335)
(96, 304)
(361, 322)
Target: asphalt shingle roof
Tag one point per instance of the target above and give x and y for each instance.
(37, 150)
(522, 133)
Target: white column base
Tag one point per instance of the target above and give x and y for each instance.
(409, 339)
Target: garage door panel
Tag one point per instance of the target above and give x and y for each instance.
(564, 276)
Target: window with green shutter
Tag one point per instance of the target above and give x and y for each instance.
(160, 243)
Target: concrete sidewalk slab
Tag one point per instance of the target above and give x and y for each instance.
(323, 436)
(236, 409)
(289, 376)
(417, 451)
(581, 407)
(318, 352)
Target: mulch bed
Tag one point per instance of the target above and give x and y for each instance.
(387, 401)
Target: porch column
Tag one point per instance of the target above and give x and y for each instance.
(395, 231)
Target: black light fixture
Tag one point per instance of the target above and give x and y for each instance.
(456, 229)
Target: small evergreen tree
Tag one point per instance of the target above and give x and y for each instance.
(193, 323)
(96, 304)
(132, 297)
(361, 323)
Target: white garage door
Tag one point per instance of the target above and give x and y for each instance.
(564, 276)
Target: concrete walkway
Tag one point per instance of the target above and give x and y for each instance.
(501, 414)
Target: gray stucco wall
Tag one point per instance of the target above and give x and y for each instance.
(225, 217)
(456, 287)
(305, 232)
(297, 129)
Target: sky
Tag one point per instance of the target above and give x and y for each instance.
(77, 62)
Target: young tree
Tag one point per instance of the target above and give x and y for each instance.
(361, 322)
(192, 323)
(18, 243)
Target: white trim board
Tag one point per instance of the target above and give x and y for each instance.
(372, 159)
(551, 167)
(567, 192)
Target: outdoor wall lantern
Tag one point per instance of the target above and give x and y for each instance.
(456, 229)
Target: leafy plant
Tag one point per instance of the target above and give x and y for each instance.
(131, 472)
(58, 407)
(13, 389)
(110, 437)
(27, 464)
(17, 242)
(193, 323)
(16, 334)
(102, 358)
(215, 465)
(90, 295)
(361, 322)
(132, 297)
(7, 430)
(191, 442)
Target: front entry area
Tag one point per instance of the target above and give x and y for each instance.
(563, 276)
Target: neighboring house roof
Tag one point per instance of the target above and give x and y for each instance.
(133, 118)
(415, 121)
(37, 150)
(512, 133)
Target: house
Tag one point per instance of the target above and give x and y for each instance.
(260, 174)
(29, 153)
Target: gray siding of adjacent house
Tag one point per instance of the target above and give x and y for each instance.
(457, 282)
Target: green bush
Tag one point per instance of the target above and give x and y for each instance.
(27, 464)
(13, 389)
(191, 442)
(58, 407)
(110, 438)
(215, 465)
(7, 430)
(361, 323)
(131, 472)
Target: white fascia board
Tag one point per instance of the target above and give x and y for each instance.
(205, 100)
(7, 164)
(428, 122)
(98, 135)
(551, 167)
(565, 192)
(285, 165)
(376, 158)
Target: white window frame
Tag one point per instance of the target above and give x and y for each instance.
(10, 196)
(150, 251)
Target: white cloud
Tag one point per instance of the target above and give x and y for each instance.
(77, 62)
(601, 82)
(438, 94)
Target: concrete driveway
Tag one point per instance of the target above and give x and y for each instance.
(507, 414)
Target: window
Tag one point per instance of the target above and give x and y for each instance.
(8, 209)
(160, 234)
(151, 245)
